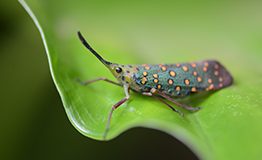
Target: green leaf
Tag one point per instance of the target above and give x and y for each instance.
(136, 32)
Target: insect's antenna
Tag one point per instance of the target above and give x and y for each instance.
(91, 49)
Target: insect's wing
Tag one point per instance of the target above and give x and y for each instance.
(196, 76)
(213, 75)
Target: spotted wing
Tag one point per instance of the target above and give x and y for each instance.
(189, 77)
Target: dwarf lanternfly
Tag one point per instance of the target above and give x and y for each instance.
(165, 80)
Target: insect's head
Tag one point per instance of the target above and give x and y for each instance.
(122, 72)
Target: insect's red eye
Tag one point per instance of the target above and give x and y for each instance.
(118, 69)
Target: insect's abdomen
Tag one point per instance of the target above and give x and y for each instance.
(178, 80)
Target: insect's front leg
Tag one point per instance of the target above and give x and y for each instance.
(153, 90)
(126, 87)
(97, 79)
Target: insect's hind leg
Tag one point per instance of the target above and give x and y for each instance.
(97, 79)
(167, 105)
(153, 90)
(150, 94)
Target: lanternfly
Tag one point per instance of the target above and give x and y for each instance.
(164, 80)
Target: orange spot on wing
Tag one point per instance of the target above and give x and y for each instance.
(147, 67)
(163, 68)
(195, 73)
(145, 73)
(144, 79)
(159, 86)
(209, 80)
(172, 73)
(193, 89)
(185, 68)
(193, 65)
(220, 85)
(206, 64)
(155, 80)
(216, 73)
(199, 79)
(187, 82)
(216, 66)
(170, 81)
(220, 79)
(178, 65)
(211, 86)
(155, 75)
(204, 69)
(143, 64)
(178, 88)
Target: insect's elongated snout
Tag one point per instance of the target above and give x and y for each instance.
(91, 49)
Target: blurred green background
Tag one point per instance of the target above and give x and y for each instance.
(28, 96)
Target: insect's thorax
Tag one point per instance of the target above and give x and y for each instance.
(127, 76)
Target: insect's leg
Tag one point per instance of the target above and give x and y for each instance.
(150, 94)
(97, 79)
(153, 90)
(115, 107)
(168, 105)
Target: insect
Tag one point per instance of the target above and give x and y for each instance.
(164, 80)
